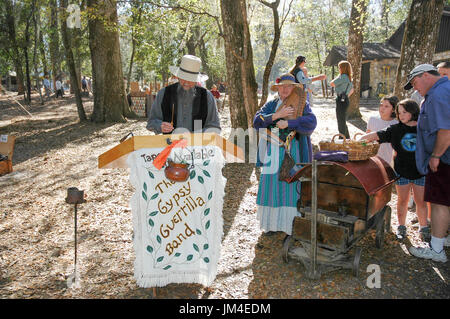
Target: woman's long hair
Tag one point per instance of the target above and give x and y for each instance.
(298, 61)
(346, 68)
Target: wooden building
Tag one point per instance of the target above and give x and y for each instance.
(380, 60)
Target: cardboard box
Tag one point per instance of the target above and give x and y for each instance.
(6, 149)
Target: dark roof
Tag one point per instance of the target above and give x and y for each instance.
(391, 48)
(371, 51)
(443, 41)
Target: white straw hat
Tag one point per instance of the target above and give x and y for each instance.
(189, 69)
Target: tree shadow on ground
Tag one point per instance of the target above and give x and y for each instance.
(359, 123)
(401, 275)
(36, 137)
(238, 181)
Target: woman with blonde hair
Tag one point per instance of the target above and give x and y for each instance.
(344, 88)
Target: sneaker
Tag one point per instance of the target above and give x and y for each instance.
(428, 253)
(425, 234)
(447, 241)
(401, 232)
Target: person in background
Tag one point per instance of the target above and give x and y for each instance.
(59, 88)
(216, 95)
(47, 86)
(298, 71)
(402, 137)
(433, 154)
(444, 69)
(387, 118)
(215, 92)
(84, 84)
(343, 84)
(277, 200)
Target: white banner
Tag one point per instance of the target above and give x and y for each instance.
(178, 226)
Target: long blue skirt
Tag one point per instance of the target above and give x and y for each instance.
(276, 200)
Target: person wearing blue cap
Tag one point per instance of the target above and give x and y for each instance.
(433, 154)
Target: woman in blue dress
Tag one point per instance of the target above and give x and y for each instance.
(277, 200)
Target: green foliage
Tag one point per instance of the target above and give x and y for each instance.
(165, 33)
(313, 28)
(165, 30)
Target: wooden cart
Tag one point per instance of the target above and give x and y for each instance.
(339, 203)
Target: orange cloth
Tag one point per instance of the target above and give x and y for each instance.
(161, 159)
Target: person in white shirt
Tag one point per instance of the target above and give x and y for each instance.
(386, 119)
(59, 88)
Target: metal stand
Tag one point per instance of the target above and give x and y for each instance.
(312, 271)
(74, 196)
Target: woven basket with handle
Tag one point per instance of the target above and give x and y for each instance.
(357, 150)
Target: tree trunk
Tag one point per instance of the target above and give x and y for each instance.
(133, 41)
(110, 103)
(55, 59)
(25, 50)
(43, 55)
(242, 86)
(37, 35)
(273, 52)
(71, 64)
(419, 39)
(354, 55)
(16, 56)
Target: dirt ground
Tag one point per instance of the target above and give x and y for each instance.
(54, 151)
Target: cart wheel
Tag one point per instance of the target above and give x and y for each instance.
(286, 245)
(356, 260)
(387, 219)
(379, 237)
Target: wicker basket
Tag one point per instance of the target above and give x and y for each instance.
(357, 150)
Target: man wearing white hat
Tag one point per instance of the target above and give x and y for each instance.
(184, 104)
(433, 153)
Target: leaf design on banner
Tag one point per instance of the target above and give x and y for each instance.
(196, 247)
(206, 212)
(206, 173)
(177, 255)
(154, 196)
(167, 267)
(192, 174)
(144, 195)
(189, 257)
(200, 179)
(206, 163)
(206, 260)
(145, 186)
(158, 239)
(208, 223)
(151, 174)
(150, 249)
(160, 259)
(154, 213)
(205, 246)
(150, 221)
(198, 231)
(210, 195)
